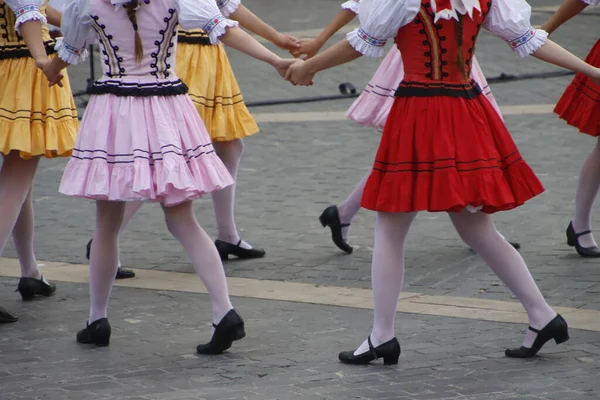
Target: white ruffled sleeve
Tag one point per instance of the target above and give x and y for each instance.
(205, 15)
(379, 21)
(511, 21)
(592, 2)
(77, 31)
(26, 10)
(351, 5)
(228, 7)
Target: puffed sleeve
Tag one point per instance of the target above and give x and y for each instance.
(511, 20)
(205, 15)
(592, 2)
(26, 10)
(228, 7)
(379, 21)
(351, 5)
(77, 31)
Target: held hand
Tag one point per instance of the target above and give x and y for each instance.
(282, 65)
(286, 42)
(299, 74)
(53, 73)
(307, 48)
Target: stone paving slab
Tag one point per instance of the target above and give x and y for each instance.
(290, 353)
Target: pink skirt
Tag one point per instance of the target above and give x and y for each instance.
(152, 148)
(372, 107)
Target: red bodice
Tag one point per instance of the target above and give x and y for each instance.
(430, 51)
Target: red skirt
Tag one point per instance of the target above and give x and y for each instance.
(444, 154)
(580, 104)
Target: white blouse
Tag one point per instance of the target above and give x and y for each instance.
(192, 14)
(507, 19)
(26, 10)
(351, 5)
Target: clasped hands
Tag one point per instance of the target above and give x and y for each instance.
(294, 71)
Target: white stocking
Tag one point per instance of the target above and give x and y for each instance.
(477, 231)
(350, 207)
(23, 234)
(203, 255)
(131, 208)
(224, 200)
(387, 274)
(587, 189)
(104, 256)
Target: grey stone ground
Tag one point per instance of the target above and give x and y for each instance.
(289, 174)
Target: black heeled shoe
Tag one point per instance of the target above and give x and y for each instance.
(30, 287)
(389, 351)
(230, 329)
(6, 317)
(556, 329)
(226, 249)
(573, 241)
(97, 333)
(331, 218)
(122, 273)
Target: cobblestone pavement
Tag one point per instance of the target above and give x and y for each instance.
(290, 172)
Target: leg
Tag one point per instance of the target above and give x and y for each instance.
(350, 207)
(104, 257)
(16, 178)
(203, 255)
(477, 230)
(387, 274)
(587, 189)
(23, 234)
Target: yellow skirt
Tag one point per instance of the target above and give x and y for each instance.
(206, 71)
(35, 119)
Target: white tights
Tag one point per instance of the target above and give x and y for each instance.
(477, 231)
(587, 189)
(183, 225)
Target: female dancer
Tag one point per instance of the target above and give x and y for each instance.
(580, 107)
(35, 121)
(444, 148)
(142, 139)
(218, 100)
(370, 109)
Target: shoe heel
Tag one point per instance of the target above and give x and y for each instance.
(240, 333)
(26, 292)
(561, 337)
(104, 342)
(391, 360)
(323, 221)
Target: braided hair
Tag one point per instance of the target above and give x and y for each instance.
(132, 8)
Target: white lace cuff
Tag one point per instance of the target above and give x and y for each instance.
(366, 44)
(529, 42)
(228, 7)
(217, 27)
(28, 12)
(70, 54)
(351, 5)
(592, 2)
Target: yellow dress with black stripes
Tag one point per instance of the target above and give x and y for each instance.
(35, 119)
(206, 71)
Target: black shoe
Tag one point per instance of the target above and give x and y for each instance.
(225, 249)
(389, 351)
(30, 287)
(6, 317)
(573, 241)
(516, 245)
(98, 333)
(122, 273)
(230, 329)
(331, 218)
(556, 329)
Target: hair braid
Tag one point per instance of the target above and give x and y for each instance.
(132, 8)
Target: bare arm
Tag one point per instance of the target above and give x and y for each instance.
(32, 34)
(552, 53)
(254, 24)
(568, 10)
(310, 47)
(54, 16)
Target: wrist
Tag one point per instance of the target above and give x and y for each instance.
(311, 67)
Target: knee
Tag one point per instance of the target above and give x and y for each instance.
(178, 217)
(230, 148)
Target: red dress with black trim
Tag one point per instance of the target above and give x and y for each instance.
(580, 103)
(444, 147)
